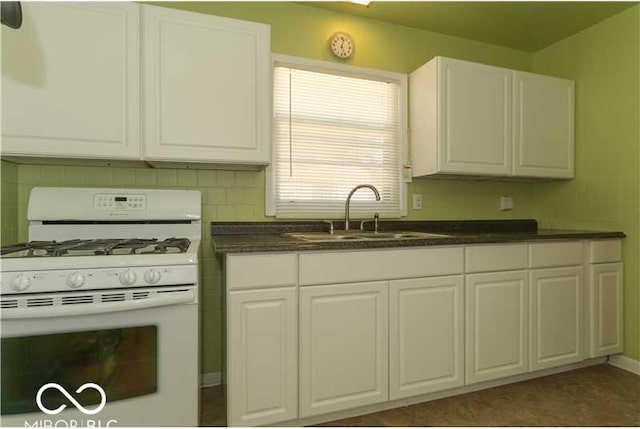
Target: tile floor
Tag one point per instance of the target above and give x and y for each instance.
(601, 395)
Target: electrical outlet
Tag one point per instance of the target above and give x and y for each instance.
(506, 203)
(417, 201)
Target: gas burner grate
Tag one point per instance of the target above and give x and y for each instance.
(134, 246)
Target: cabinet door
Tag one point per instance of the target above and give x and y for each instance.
(496, 325)
(606, 309)
(207, 89)
(474, 118)
(543, 126)
(262, 351)
(556, 317)
(426, 335)
(70, 81)
(343, 346)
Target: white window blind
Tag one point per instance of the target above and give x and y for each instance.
(332, 133)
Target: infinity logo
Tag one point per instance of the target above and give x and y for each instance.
(80, 389)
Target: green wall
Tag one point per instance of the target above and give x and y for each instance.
(604, 60)
(304, 31)
(239, 196)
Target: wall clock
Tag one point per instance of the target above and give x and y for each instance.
(341, 45)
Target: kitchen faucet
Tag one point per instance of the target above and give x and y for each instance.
(346, 207)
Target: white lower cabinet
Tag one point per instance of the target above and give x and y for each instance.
(314, 333)
(343, 346)
(606, 309)
(426, 335)
(556, 317)
(496, 325)
(262, 356)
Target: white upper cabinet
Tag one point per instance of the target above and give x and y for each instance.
(478, 120)
(460, 118)
(206, 88)
(543, 126)
(94, 80)
(70, 81)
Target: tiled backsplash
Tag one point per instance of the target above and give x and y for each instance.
(9, 199)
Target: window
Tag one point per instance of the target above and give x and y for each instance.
(336, 127)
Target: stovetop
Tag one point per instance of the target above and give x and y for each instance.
(97, 247)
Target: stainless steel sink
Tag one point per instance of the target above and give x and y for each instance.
(319, 237)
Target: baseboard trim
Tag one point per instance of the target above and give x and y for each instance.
(367, 409)
(210, 379)
(626, 363)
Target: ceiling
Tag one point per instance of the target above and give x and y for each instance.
(525, 25)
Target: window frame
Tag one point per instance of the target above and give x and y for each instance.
(350, 71)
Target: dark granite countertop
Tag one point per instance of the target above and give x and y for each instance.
(246, 237)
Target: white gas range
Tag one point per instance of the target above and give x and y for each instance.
(105, 296)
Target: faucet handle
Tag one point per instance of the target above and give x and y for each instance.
(376, 217)
(330, 222)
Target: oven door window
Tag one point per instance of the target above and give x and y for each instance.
(124, 362)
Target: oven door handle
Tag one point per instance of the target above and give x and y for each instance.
(172, 298)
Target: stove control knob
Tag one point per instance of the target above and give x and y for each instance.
(75, 280)
(20, 283)
(152, 276)
(128, 277)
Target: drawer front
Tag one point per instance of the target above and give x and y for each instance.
(258, 271)
(495, 257)
(605, 251)
(345, 267)
(559, 254)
